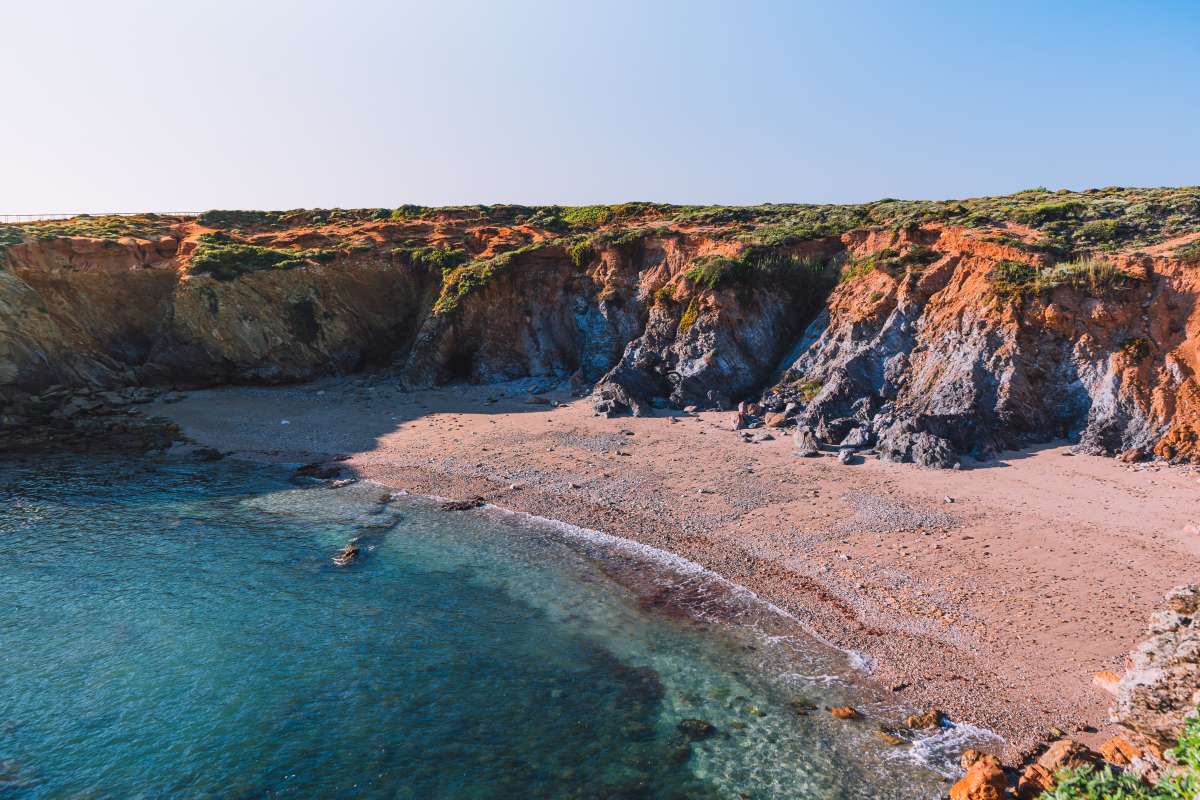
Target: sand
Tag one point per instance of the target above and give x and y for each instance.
(994, 592)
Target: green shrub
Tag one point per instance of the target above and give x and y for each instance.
(474, 275)
(889, 260)
(808, 390)
(621, 238)
(441, 258)
(714, 272)
(592, 217)
(709, 272)
(690, 315)
(406, 212)
(1102, 231)
(664, 295)
(1013, 277)
(1188, 252)
(1042, 213)
(1088, 783)
(580, 253)
(586, 217)
(9, 235)
(225, 259)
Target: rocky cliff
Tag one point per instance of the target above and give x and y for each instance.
(918, 331)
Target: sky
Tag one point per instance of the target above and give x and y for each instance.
(186, 106)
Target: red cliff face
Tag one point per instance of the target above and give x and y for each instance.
(943, 359)
(889, 326)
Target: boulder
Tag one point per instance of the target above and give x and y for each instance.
(970, 757)
(933, 718)
(1162, 685)
(984, 781)
(857, 438)
(1039, 776)
(834, 430)
(1133, 455)
(775, 419)
(806, 441)
(1120, 751)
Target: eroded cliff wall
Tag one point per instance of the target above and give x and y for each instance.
(925, 332)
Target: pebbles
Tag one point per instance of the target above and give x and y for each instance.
(875, 513)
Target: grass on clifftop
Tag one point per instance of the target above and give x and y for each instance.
(138, 226)
(224, 259)
(1088, 783)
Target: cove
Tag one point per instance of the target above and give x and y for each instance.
(174, 629)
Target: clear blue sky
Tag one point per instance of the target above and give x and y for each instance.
(190, 105)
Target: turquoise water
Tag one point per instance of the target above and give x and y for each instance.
(179, 630)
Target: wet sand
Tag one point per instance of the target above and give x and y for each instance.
(993, 593)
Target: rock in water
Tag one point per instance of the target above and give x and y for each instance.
(697, 729)
(933, 718)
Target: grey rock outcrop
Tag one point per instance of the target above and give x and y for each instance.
(1163, 685)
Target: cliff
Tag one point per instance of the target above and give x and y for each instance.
(924, 331)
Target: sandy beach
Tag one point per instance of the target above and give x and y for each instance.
(994, 593)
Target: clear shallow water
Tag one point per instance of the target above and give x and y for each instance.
(178, 630)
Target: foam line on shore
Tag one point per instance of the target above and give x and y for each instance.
(858, 661)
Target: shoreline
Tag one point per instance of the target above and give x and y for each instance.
(862, 556)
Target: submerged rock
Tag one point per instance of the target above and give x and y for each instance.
(697, 729)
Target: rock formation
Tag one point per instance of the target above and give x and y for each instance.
(1162, 686)
(928, 332)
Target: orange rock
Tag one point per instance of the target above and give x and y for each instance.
(1133, 455)
(933, 718)
(983, 781)
(845, 712)
(971, 757)
(1063, 754)
(1107, 681)
(1120, 751)
(775, 419)
(1033, 781)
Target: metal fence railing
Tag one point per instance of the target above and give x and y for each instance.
(19, 218)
